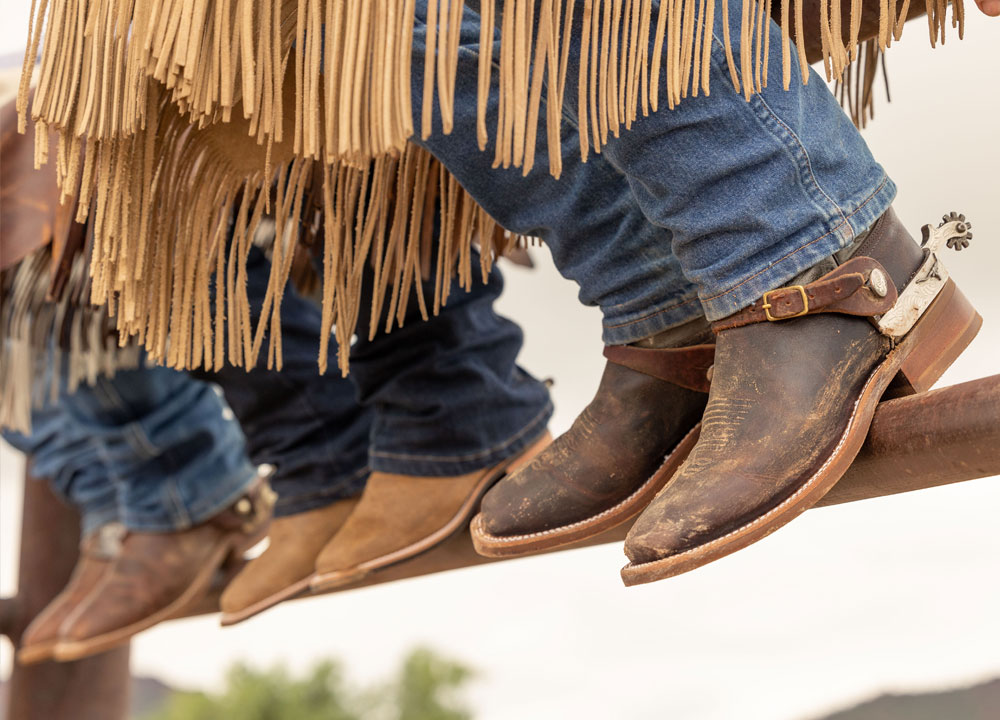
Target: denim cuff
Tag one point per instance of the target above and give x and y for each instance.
(451, 465)
(94, 518)
(623, 328)
(815, 244)
(174, 513)
(303, 494)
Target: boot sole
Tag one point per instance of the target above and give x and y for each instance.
(323, 582)
(34, 654)
(199, 587)
(507, 546)
(288, 593)
(938, 338)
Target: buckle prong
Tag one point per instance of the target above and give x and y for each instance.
(767, 304)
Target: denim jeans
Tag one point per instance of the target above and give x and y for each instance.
(151, 448)
(442, 397)
(68, 457)
(737, 197)
(309, 427)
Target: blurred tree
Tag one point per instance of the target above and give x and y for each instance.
(427, 687)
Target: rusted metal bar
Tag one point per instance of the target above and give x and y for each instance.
(92, 689)
(936, 438)
(921, 441)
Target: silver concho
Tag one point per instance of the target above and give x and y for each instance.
(878, 283)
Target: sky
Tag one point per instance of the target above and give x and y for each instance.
(895, 594)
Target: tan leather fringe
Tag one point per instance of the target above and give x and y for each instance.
(162, 208)
(350, 64)
(187, 112)
(856, 87)
(32, 325)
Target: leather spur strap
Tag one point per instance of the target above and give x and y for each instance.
(686, 367)
(860, 287)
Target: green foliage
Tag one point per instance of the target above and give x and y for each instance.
(426, 687)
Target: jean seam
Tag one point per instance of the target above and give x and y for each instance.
(653, 314)
(325, 492)
(785, 137)
(205, 509)
(805, 164)
(136, 437)
(846, 221)
(179, 517)
(470, 456)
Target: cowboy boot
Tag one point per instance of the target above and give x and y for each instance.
(97, 551)
(401, 516)
(796, 381)
(285, 569)
(620, 451)
(156, 576)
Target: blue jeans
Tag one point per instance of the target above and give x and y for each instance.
(151, 448)
(442, 397)
(717, 201)
(309, 427)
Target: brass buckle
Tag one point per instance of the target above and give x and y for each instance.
(767, 305)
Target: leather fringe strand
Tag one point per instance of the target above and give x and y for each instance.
(42, 336)
(170, 196)
(175, 116)
(349, 62)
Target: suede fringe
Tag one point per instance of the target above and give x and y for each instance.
(78, 335)
(351, 65)
(185, 112)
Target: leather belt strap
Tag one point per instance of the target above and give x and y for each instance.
(686, 367)
(860, 287)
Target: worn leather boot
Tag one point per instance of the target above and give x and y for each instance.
(285, 569)
(156, 576)
(401, 516)
(796, 381)
(620, 451)
(97, 551)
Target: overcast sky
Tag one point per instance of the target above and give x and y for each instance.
(893, 594)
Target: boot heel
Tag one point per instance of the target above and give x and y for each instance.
(938, 338)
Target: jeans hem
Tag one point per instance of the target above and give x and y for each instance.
(342, 489)
(182, 516)
(445, 466)
(828, 236)
(621, 331)
(93, 520)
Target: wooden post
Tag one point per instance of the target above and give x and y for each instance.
(96, 688)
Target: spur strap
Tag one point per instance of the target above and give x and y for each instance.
(686, 367)
(859, 287)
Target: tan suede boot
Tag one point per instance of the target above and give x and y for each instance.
(287, 566)
(97, 552)
(401, 516)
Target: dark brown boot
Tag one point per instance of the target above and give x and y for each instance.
(796, 381)
(620, 451)
(156, 576)
(97, 552)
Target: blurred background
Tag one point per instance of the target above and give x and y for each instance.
(880, 609)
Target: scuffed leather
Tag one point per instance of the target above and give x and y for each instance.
(843, 290)
(782, 394)
(614, 446)
(153, 570)
(90, 568)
